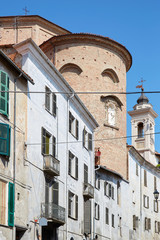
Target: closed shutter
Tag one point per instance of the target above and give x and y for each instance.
(43, 140)
(76, 207)
(76, 175)
(69, 163)
(54, 102)
(55, 192)
(4, 139)
(77, 129)
(54, 146)
(11, 205)
(90, 141)
(87, 217)
(70, 122)
(85, 173)
(4, 96)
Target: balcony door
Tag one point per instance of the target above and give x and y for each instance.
(51, 191)
(49, 232)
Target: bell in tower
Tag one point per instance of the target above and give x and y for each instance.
(143, 122)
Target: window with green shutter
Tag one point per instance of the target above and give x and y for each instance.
(10, 204)
(4, 139)
(4, 95)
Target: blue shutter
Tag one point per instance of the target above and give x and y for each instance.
(4, 139)
(4, 96)
(11, 204)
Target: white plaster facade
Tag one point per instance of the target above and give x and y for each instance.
(37, 65)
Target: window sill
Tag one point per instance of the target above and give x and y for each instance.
(73, 218)
(111, 126)
(54, 115)
(73, 177)
(73, 135)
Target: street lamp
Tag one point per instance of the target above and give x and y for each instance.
(156, 194)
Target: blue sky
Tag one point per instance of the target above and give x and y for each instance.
(135, 24)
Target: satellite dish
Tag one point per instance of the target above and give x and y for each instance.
(43, 222)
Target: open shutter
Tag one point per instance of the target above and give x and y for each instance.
(87, 217)
(4, 139)
(83, 137)
(47, 182)
(85, 173)
(98, 212)
(107, 216)
(11, 205)
(54, 102)
(69, 163)
(147, 202)
(76, 207)
(4, 96)
(98, 183)
(69, 203)
(55, 192)
(43, 133)
(47, 98)
(70, 122)
(76, 175)
(77, 129)
(112, 192)
(145, 223)
(149, 223)
(90, 141)
(105, 185)
(54, 146)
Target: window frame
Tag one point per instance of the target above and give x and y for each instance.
(52, 143)
(72, 161)
(72, 205)
(87, 140)
(73, 126)
(50, 101)
(97, 211)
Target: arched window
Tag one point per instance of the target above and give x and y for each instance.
(140, 130)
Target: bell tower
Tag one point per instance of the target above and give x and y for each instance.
(143, 124)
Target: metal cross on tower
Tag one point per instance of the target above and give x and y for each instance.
(26, 11)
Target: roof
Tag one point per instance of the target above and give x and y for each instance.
(25, 75)
(91, 38)
(36, 18)
(109, 170)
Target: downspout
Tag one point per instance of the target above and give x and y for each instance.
(14, 146)
(67, 149)
(141, 201)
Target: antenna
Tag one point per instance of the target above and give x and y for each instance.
(25, 10)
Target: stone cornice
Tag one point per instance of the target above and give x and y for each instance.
(91, 39)
(143, 110)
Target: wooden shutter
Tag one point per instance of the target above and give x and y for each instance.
(146, 223)
(54, 104)
(47, 182)
(69, 203)
(145, 178)
(85, 173)
(112, 192)
(149, 223)
(90, 141)
(112, 220)
(83, 137)
(147, 202)
(155, 183)
(69, 163)
(77, 129)
(76, 174)
(76, 207)
(107, 216)
(55, 192)
(47, 98)
(87, 217)
(70, 122)
(134, 222)
(4, 96)
(2, 202)
(43, 133)
(98, 183)
(158, 227)
(11, 204)
(105, 185)
(53, 146)
(4, 139)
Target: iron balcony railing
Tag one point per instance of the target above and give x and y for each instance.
(51, 165)
(53, 212)
(88, 190)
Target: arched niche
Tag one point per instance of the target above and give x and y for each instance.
(111, 75)
(70, 68)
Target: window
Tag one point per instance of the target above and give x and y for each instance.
(157, 227)
(50, 101)
(48, 143)
(155, 205)
(51, 191)
(145, 201)
(135, 222)
(72, 205)
(145, 178)
(4, 96)
(97, 181)
(97, 216)
(108, 190)
(113, 220)
(87, 139)
(73, 126)
(147, 222)
(85, 173)
(73, 165)
(137, 169)
(107, 216)
(4, 139)
(140, 130)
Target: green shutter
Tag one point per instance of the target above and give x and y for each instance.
(4, 96)
(4, 139)
(11, 205)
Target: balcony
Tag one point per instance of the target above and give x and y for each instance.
(51, 165)
(53, 212)
(88, 190)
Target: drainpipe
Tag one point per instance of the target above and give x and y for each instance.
(67, 139)
(14, 145)
(141, 225)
